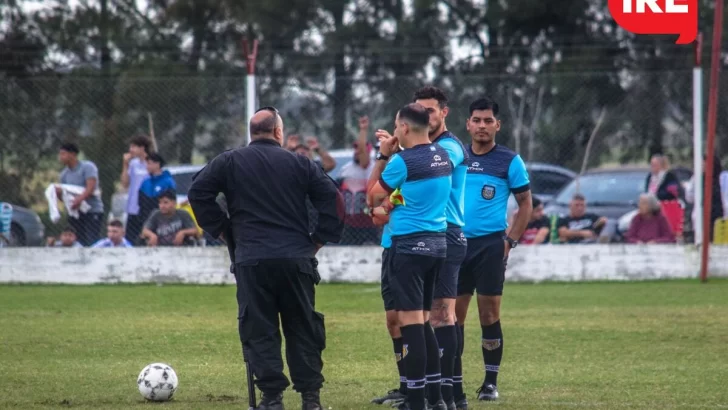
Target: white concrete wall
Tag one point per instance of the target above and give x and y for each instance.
(347, 264)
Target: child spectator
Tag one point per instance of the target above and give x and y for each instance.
(114, 237)
(68, 239)
(169, 226)
(158, 181)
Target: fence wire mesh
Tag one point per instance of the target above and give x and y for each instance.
(547, 118)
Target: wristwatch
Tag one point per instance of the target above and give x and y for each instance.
(512, 242)
(381, 156)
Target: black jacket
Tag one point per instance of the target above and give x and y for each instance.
(266, 188)
(669, 189)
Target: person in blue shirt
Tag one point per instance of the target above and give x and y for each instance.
(443, 317)
(423, 173)
(494, 172)
(158, 181)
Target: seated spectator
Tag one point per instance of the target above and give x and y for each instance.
(538, 228)
(68, 239)
(158, 181)
(114, 237)
(580, 226)
(649, 225)
(169, 226)
(661, 182)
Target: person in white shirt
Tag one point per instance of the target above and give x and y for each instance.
(114, 237)
(359, 228)
(133, 173)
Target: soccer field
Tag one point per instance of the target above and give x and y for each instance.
(651, 345)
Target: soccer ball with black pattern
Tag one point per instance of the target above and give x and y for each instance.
(157, 382)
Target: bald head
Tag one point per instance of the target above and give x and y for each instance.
(266, 124)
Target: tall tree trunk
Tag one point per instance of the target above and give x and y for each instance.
(187, 142)
(342, 83)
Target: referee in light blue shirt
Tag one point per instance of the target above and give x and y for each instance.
(494, 172)
(423, 173)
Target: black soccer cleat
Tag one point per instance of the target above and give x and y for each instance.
(452, 406)
(392, 398)
(440, 405)
(461, 404)
(311, 401)
(488, 392)
(271, 402)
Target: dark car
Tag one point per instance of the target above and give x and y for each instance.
(609, 192)
(26, 228)
(546, 181)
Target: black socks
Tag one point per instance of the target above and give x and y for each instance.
(414, 354)
(457, 378)
(400, 364)
(492, 345)
(433, 375)
(447, 339)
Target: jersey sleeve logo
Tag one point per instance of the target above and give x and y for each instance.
(488, 192)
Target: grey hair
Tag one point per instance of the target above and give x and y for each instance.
(652, 201)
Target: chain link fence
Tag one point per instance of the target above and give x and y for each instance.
(549, 119)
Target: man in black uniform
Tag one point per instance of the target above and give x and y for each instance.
(266, 187)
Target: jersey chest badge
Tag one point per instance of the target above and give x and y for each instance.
(488, 192)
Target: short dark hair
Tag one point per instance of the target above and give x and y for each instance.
(155, 157)
(143, 141)
(415, 114)
(116, 223)
(482, 104)
(169, 194)
(430, 92)
(535, 202)
(301, 146)
(264, 126)
(69, 229)
(578, 197)
(70, 147)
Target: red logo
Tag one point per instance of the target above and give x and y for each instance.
(657, 17)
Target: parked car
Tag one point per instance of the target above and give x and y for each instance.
(609, 192)
(26, 228)
(546, 181)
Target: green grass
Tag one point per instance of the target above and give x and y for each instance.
(651, 345)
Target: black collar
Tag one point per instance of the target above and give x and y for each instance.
(268, 141)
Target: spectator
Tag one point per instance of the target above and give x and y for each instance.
(114, 237)
(169, 226)
(324, 160)
(359, 227)
(134, 172)
(538, 228)
(158, 181)
(650, 225)
(68, 239)
(661, 182)
(716, 208)
(580, 226)
(83, 174)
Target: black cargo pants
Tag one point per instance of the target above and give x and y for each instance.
(285, 287)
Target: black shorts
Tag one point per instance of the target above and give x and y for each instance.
(415, 263)
(447, 283)
(387, 295)
(484, 268)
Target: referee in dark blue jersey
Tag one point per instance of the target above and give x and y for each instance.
(494, 172)
(423, 173)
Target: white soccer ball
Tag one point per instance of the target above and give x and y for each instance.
(157, 382)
